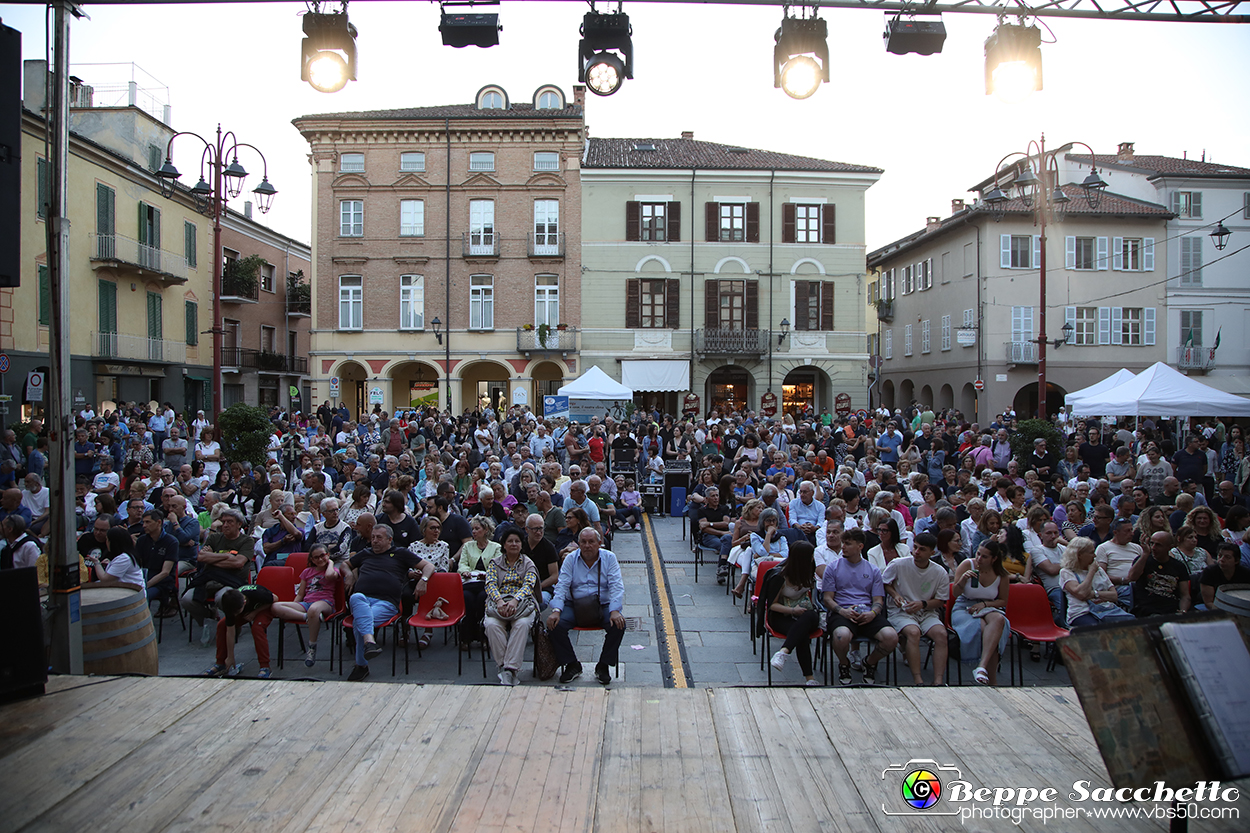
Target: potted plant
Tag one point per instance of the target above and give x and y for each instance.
(527, 327)
(544, 330)
(562, 326)
(241, 278)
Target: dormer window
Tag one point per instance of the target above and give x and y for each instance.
(549, 98)
(492, 98)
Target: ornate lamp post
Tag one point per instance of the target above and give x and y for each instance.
(1037, 178)
(210, 200)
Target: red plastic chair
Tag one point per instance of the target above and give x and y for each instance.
(450, 587)
(760, 572)
(298, 562)
(818, 635)
(380, 627)
(1028, 611)
(281, 582)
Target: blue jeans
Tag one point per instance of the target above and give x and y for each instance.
(612, 637)
(1125, 591)
(365, 612)
(1058, 605)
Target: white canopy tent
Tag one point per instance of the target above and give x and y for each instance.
(1115, 379)
(1163, 391)
(595, 384)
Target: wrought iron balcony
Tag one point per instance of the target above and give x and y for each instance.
(549, 244)
(885, 311)
(724, 341)
(137, 348)
(1195, 358)
(130, 257)
(480, 244)
(247, 357)
(1022, 352)
(555, 341)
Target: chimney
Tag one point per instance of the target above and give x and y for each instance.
(687, 134)
(579, 95)
(931, 223)
(1124, 152)
(247, 209)
(957, 206)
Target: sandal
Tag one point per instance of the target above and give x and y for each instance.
(738, 592)
(424, 641)
(981, 676)
(1035, 653)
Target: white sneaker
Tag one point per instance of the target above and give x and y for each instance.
(310, 659)
(779, 660)
(812, 682)
(503, 678)
(857, 660)
(511, 675)
(207, 634)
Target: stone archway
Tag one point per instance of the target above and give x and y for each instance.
(1025, 400)
(968, 402)
(887, 394)
(484, 382)
(926, 397)
(353, 379)
(548, 378)
(806, 386)
(729, 387)
(946, 398)
(415, 384)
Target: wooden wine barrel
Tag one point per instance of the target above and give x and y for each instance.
(117, 632)
(1234, 598)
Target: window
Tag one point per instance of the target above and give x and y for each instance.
(807, 223)
(156, 323)
(946, 267)
(490, 100)
(481, 302)
(193, 322)
(1191, 261)
(481, 227)
(874, 292)
(45, 296)
(351, 163)
(108, 318)
(946, 333)
(733, 219)
(1191, 328)
(188, 244)
(813, 305)
(1021, 324)
(352, 218)
(266, 277)
(546, 161)
(549, 100)
(412, 161)
(546, 226)
(907, 340)
(1126, 325)
(1133, 254)
(653, 221)
(907, 275)
(889, 344)
(652, 303)
(1081, 252)
(154, 158)
(1245, 209)
(1084, 321)
(1131, 326)
(106, 222)
(888, 290)
(482, 161)
(351, 302)
(1187, 204)
(411, 218)
(268, 339)
(924, 336)
(970, 319)
(1019, 251)
(924, 274)
(149, 236)
(547, 300)
(42, 195)
(731, 305)
(411, 302)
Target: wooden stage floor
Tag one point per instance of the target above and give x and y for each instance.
(146, 754)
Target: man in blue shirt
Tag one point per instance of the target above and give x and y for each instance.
(888, 444)
(593, 573)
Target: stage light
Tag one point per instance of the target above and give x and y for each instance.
(923, 37)
(329, 52)
(461, 30)
(605, 54)
(801, 56)
(1013, 62)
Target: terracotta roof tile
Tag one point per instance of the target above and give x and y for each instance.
(691, 153)
(1167, 165)
(515, 110)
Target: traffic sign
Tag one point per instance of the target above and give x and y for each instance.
(979, 384)
(862, 413)
(334, 387)
(34, 386)
(4, 363)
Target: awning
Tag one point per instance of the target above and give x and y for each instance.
(656, 375)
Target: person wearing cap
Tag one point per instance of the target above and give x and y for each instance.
(1117, 557)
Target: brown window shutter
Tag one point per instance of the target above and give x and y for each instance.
(633, 220)
(826, 305)
(788, 218)
(828, 230)
(753, 222)
(800, 305)
(672, 303)
(674, 222)
(711, 304)
(633, 303)
(751, 305)
(712, 211)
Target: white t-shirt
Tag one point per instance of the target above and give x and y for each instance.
(1077, 607)
(1116, 559)
(915, 584)
(105, 479)
(211, 467)
(824, 557)
(124, 568)
(37, 504)
(1053, 555)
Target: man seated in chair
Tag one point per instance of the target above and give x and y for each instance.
(590, 580)
(381, 573)
(918, 589)
(157, 552)
(855, 595)
(714, 530)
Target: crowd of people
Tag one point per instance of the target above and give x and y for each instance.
(875, 523)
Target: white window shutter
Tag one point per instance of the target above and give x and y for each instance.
(1117, 254)
(1028, 323)
(1004, 251)
(1117, 325)
(1069, 318)
(1148, 326)
(1148, 255)
(1037, 252)
(1102, 253)
(1195, 205)
(1069, 252)
(1104, 325)
(1176, 202)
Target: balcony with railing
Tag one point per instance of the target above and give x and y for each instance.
(546, 244)
(130, 257)
(885, 311)
(137, 348)
(480, 244)
(1022, 352)
(238, 288)
(723, 341)
(262, 360)
(553, 340)
(1195, 358)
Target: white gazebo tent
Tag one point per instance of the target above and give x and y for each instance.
(1114, 380)
(595, 384)
(1160, 390)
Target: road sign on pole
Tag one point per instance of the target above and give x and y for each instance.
(979, 384)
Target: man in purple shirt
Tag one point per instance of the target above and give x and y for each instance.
(855, 595)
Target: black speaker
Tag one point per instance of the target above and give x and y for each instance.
(10, 156)
(23, 667)
(924, 37)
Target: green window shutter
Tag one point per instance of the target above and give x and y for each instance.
(155, 328)
(189, 237)
(156, 228)
(45, 296)
(41, 210)
(193, 324)
(108, 307)
(143, 224)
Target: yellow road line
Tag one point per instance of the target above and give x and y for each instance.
(666, 610)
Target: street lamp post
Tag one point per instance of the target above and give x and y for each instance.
(1037, 178)
(210, 200)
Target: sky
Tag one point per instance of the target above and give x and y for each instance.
(1169, 88)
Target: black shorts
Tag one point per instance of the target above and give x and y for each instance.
(857, 630)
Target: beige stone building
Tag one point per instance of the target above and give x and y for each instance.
(446, 251)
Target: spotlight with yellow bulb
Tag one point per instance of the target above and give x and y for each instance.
(329, 51)
(1013, 62)
(605, 54)
(801, 56)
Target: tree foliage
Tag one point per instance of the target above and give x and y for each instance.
(244, 433)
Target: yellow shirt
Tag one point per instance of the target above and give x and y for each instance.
(41, 564)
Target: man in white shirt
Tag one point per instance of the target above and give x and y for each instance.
(35, 499)
(1046, 558)
(918, 590)
(1116, 558)
(198, 425)
(107, 481)
(828, 552)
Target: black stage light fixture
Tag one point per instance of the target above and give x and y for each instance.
(922, 37)
(800, 42)
(329, 51)
(605, 54)
(461, 30)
